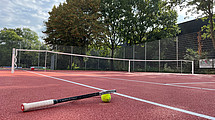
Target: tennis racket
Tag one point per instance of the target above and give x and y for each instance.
(33, 105)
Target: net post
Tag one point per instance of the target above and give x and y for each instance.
(129, 66)
(13, 60)
(192, 67)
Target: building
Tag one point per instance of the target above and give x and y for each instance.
(190, 38)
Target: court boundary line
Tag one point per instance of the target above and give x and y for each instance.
(134, 98)
(190, 83)
(163, 84)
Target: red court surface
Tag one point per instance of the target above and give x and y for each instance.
(140, 96)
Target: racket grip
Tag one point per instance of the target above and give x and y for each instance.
(33, 105)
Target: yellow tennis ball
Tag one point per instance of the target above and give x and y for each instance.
(106, 97)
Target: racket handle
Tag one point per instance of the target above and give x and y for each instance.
(33, 105)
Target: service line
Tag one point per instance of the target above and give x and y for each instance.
(163, 84)
(190, 83)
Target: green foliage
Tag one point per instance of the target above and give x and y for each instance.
(112, 14)
(74, 66)
(103, 51)
(168, 68)
(109, 22)
(207, 28)
(17, 38)
(106, 24)
(152, 20)
(193, 55)
(74, 23)
(194, 6)
(205, 10)
(135, 21)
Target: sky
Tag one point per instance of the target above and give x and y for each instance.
(32, 14)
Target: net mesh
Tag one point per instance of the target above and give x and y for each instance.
(51, 60)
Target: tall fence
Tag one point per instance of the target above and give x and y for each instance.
(6, 51)
(161, 50)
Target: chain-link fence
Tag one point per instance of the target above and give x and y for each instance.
(186, 46)
(6, 52)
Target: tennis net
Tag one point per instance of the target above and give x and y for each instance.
(52, 60)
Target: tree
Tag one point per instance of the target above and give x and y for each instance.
(149, 20)
(74, 23)
(112, 15)
(109, 23)
(17, 38)
(8, 40)
(137, 21)
(205, 9)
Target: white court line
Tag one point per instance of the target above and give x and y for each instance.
(145, 82)
(134, 98)
(190, 83)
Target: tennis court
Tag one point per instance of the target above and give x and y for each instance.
(140, 95)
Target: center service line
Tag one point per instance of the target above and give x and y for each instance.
(134, 98)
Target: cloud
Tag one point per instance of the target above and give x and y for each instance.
(32, 13)
(26, 13)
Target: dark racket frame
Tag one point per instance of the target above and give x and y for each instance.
(33, 105)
